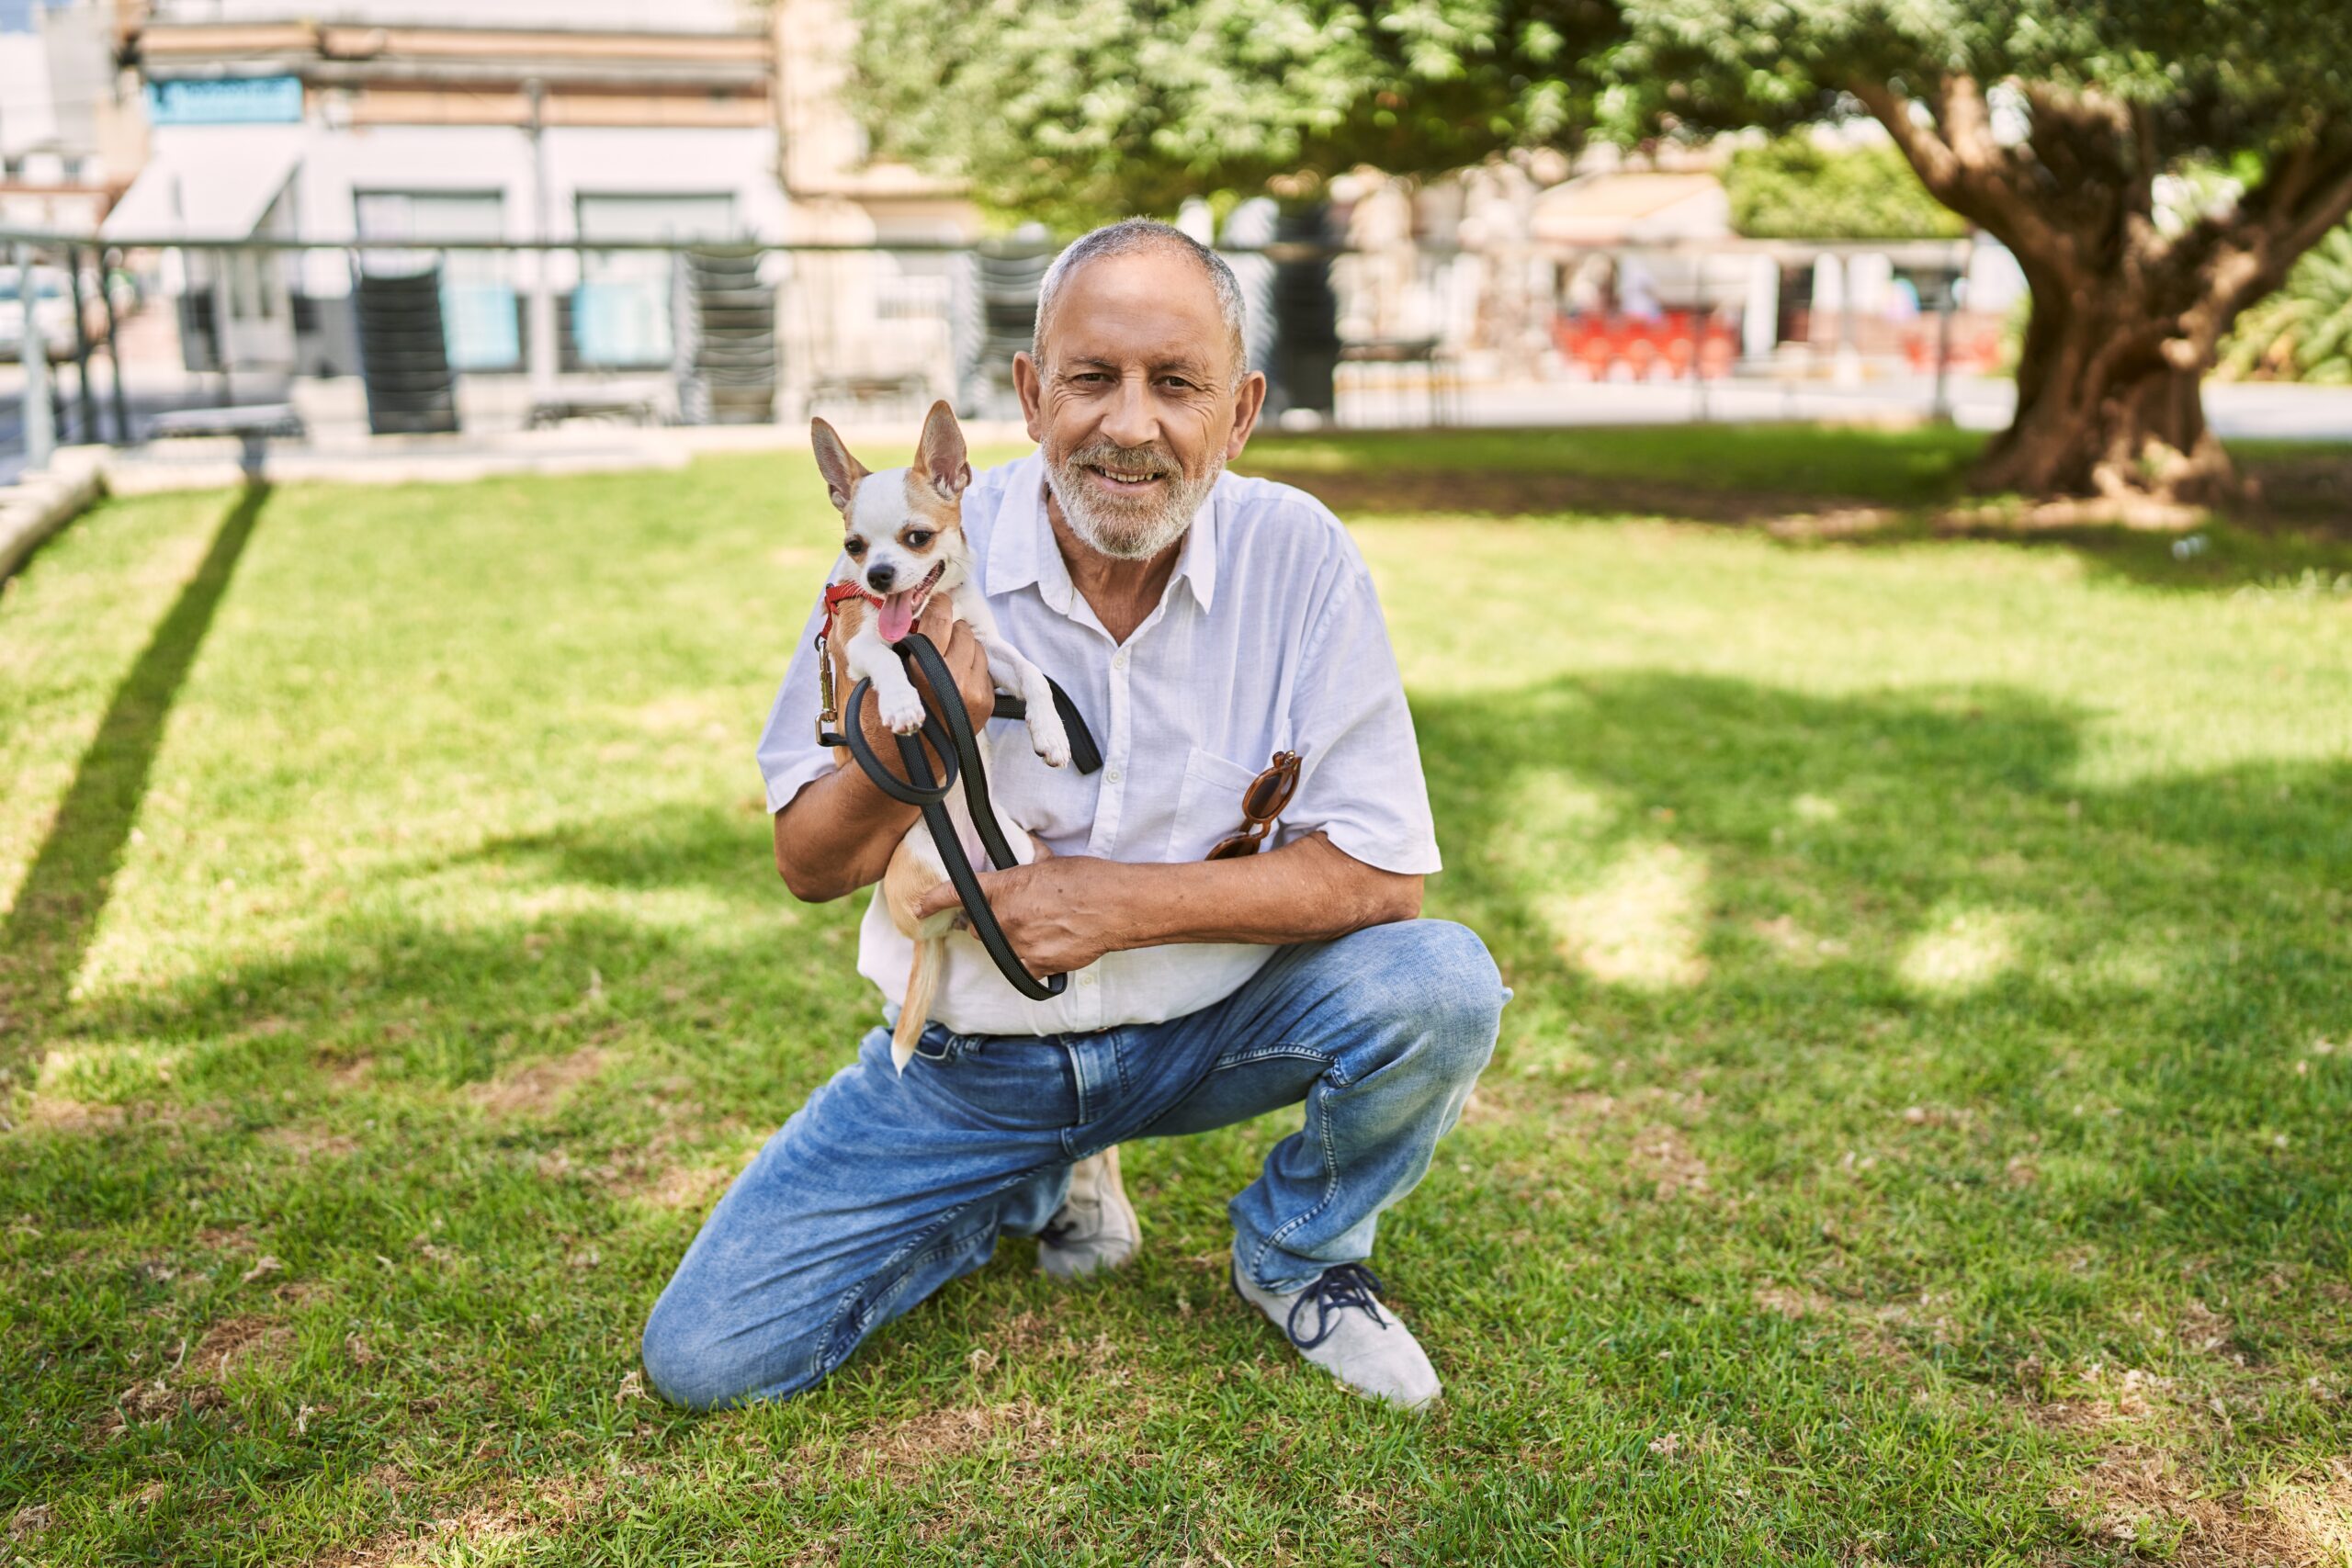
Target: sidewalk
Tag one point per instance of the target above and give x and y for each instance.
(340, 450)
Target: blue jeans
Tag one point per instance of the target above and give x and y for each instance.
(883, 1189)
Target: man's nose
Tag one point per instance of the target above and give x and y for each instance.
(1131, 421)
(880, 575)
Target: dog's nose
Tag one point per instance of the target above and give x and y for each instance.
(880, 576)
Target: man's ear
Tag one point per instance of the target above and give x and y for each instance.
(841, 471)
(1028, 382)
(939, 455)
(1247, 404)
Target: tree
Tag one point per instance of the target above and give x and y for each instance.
(1792, 188)
(2050, 124)
(2053, 124)
(1075, 111)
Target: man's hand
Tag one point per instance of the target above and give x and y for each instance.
(1063, 913)
(1060, 914)
(965, 656)
(836, 835)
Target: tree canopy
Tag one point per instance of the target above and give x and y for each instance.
(1073, 111)
(1792, 188)
(2052, 124)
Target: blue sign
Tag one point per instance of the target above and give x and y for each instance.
(235, 100)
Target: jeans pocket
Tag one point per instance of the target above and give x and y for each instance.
(940, 1043)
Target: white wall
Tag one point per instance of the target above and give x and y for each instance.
(26, 114)
(52, 80)
(613, 161)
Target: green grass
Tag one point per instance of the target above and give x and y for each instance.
(1912, 1141)
(1916, 467)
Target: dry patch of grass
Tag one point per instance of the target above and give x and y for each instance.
(1784, 1301)
(308, 1142)
(481, 1523)
(540, 1086)
(239, 1344)
(691, 1188)
(73, 1117)
(1663, 1159)
(909, 1445)
(2144, 1497)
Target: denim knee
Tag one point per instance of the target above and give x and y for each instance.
(1448, 980)
(690, 1366)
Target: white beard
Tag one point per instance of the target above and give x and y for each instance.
(1123, 532)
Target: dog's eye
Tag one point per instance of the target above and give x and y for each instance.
(917, 539)
(855, 547)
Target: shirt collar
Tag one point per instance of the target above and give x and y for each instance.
(1022, 549)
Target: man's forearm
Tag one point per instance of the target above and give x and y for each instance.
(837, 836)
(1065, 913)
(838, 833)
(1307, 891)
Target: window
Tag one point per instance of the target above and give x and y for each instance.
(621, 312)
(479, 312)
(397, 215)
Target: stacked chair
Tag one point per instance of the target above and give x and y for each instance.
(732, 318)
(1010, 274)
(404, 354)
(1306, 317)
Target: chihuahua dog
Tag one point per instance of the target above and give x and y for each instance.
(903, 546)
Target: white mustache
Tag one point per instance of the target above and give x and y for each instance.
(1129, 460)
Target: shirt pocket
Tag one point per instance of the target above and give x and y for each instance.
(1208, 805)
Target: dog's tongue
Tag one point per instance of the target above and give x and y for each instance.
(898, 615)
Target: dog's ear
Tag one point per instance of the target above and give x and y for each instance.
(841, 471)
(939, 455)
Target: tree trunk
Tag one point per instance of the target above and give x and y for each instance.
(2127, 319)
(2100, 415)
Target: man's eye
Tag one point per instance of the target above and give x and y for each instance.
(1176, 382)
(1090, 378)
(919, 538)
(855, 547)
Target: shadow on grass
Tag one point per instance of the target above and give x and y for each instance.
(1816, 487)
(1852, 899)
(1866, 903)
(712, 848)
(1817, 910)
(57, 909)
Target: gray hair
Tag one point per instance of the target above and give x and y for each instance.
(1129, 236)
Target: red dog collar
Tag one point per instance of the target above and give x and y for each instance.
(834, 594)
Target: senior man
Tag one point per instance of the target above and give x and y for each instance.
(1204, 624)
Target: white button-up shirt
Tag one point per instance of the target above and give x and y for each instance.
(1269, 637)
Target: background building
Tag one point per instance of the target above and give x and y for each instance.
(372, 128)
(70, 139)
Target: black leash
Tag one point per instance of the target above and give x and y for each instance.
(948, 725)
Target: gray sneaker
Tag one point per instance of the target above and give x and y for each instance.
(1338, 1324)
(1095, 1228)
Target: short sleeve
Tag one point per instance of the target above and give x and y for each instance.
(1360, 780)
(789, 757)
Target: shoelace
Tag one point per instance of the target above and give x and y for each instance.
(1340, 1287)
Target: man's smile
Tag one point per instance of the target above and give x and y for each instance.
(1127, 479)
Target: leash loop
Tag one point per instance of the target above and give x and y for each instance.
(948, 725)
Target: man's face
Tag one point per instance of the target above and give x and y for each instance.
(1136, 402)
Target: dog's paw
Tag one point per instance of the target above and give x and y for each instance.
(1047, 737)
(901, 713)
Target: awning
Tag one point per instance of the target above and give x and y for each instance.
(1616, 209)
(215, 183)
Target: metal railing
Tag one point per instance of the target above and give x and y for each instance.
(149, 336)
